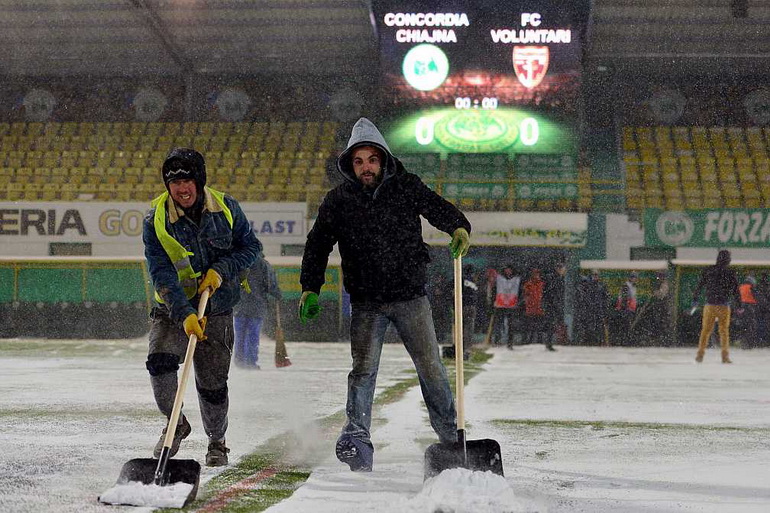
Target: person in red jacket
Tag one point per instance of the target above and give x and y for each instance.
(748, 312)
(534, 314)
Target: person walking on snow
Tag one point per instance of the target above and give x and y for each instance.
(721, 284)
(553, 302)
(470, 297)
(195, 238)
(625, 309)
(374, 217)
(506, 302)
(534, 314)
(251, 310)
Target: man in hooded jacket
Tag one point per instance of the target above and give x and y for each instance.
(374, 217)
(195, 239)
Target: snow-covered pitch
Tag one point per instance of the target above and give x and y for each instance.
(584, 429)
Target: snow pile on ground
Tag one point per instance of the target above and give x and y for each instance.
(135, 493)
(460, 490)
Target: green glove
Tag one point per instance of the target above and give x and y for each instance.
(461, 241)
(308, 306)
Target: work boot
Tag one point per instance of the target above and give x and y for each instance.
(726, 358)
(359, 455)
(699, 357)
(183, 430)
(217, 454)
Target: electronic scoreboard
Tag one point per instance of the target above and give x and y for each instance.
(476, 76)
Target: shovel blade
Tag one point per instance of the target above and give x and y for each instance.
(143, 470)
(483, 455)
(181, 474)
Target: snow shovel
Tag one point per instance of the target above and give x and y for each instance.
(478, 455)
(180, 478)
(281, 356)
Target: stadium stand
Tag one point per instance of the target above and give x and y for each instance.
(86, 161)
(695, 167)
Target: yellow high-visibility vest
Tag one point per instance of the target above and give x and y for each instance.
(180, 257)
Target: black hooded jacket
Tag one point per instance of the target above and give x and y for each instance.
(720, 282)
(384, 257)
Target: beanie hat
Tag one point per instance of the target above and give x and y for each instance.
(184, 164)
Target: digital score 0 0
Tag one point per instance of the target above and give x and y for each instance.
(488, 77)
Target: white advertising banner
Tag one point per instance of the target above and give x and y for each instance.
(519, 229)
(27, 224)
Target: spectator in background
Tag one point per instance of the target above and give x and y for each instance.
(553, 303)
(625, 309)
(762, 295)
(251, 310)
(748, 313)
(721, 286)
(534, 314)
(506, 300)
(591, 304)
(441, 295)
(470, 298)
(655, 315)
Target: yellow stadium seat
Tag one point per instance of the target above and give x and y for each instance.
(42, 175)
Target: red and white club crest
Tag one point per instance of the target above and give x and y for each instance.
(530, 64)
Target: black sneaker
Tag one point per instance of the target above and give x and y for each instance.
(217, 454)
(183, 430)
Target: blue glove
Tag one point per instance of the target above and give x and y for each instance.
(308, 306)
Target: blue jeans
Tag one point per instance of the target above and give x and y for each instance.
(247, 340)
(414, 323)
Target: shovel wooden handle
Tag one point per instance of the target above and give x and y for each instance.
(160, 473)
(458, 339)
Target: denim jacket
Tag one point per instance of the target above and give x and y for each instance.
(213, 244)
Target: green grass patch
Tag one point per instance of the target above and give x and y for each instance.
(275, 453)
(78, 414)
(601, 425)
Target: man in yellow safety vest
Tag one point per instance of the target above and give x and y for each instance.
(195, 238)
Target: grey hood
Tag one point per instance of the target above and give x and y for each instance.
(365, 133)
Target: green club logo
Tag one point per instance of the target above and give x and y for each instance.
(476, 131)
(674, 228)
(425, 67)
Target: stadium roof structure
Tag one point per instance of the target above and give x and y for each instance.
(176, 37)
(674, 37)
(325, 37)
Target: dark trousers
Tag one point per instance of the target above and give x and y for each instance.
(504, 325)
(168, 345)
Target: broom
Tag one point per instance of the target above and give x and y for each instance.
(281, 356)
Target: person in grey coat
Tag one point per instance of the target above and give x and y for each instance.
(251, 310)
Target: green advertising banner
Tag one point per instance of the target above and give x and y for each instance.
(475, 190)
(288, 282)
(538, 166)
(733, 228)
(482, 166)
(687, 277)
(426, 165)
(545, 191)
